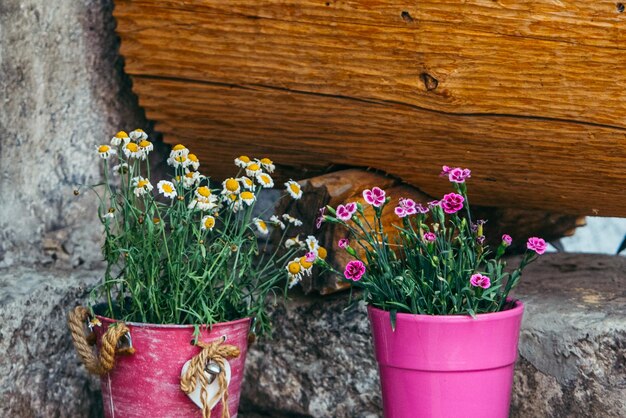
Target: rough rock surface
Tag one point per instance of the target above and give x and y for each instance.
(41, 375)
(62, 91)
(572, 364)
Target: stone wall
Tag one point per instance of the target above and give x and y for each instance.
(62, 92)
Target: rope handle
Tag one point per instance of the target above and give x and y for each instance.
(216, 352)
(105, 361)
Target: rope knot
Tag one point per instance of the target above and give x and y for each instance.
(213, 353)
(105, 362)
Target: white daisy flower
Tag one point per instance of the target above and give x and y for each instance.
(191, 179)
(261, 226)
(131, 150)
(307, 266)
(109, 215)
(247, 197)
(146, 147)
(295, 241)
(312, 244)
(141, 185)
(119, 138)
(138, 135)
(234, 202)
(178, 161)
(294, 189)
(167, 189)
(292, 220)
(267, 164)
(194, 162)
(204, 203)
(242, 161)
(208, 223)
(253, 169)
(246, 183)
(120, 169)
(179, 151)
(265, 180)
(294, 272)
(276, 221)
(105, 151)
(230, 186)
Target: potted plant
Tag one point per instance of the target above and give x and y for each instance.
(445, 330)
(187, 280)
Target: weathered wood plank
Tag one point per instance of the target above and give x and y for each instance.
(530, 94)
(475, 71)
(542, 164)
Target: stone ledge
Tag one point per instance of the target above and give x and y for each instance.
(320, 362)
(40, 374)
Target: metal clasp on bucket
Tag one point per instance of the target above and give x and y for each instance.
(125, 342)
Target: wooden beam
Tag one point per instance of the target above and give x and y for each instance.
(547, 165)
(529, 94)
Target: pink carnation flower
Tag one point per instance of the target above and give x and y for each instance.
(458, 175)
(345, 212)
(406, 207)
(445, 170)
(452, 203)
(478, 280)
(310, 256)
(320, 218)
(430, 237)
(375, 197)
(355, 269)
(507, 240)
(537, 245)
(343, 243)
(400, 211)
(421, 209)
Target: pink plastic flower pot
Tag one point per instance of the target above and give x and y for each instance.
(451, 366)
(147, 383)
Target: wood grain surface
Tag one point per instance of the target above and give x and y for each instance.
(529, 94)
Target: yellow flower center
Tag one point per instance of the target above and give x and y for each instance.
(232, 197)
(247, 195)
(193, 158)
(294, 267)
(167, 188)
(103, 148)
(181, 158)
(156, 220)
(132, 147)
(209, 222)
(266, 161)
(190, 175)
(204, 191)
(232, 185)
(139, 130)
(322, 253)
(305, 264)
(295, 187)
(262, 225)
(178, 147)
(244, 158)
(145, 144)
(121, 135)
(253, 167)
(265, 178)
(142, 183)
(248, 181)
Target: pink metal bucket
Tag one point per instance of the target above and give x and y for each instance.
(147, 383)
(435, 366)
